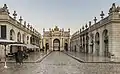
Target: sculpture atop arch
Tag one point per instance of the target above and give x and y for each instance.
(56, 28)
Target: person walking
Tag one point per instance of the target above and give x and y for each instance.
(20, 56)
(16, 57)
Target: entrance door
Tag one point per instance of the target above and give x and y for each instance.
(47, 46)
(66, 47)
(56, 44)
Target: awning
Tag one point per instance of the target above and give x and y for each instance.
(5, 41)
(31, 46)
(23, 45)
(36, 46)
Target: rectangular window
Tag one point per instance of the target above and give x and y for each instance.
(3, 31)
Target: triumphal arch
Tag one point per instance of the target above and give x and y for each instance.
(56, 39)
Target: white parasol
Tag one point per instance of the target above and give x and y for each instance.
(31, 46)
(18, 45)
(5, 42)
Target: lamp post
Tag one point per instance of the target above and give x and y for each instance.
(5, 65)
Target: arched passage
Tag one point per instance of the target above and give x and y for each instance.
(105, 43)
(87, 41)
(66, 47)
(84, 44)
(80, 44)
(91, 42)
(97, 42)
(56, 44)
(12, 37)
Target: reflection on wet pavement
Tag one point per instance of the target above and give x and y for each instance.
(60, 63)
(32, 57)
(88, 57)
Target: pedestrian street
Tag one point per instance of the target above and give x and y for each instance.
(60, 63)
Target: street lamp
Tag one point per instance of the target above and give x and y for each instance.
(5, 65)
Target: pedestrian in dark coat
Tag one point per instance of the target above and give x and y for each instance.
(20, 56)
(16, 57)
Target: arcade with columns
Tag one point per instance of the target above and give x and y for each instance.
(101, 38)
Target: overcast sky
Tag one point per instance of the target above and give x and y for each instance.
(64, 13)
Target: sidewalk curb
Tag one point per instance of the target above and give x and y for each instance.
(15, 62)
(74, 57)
(39, 60)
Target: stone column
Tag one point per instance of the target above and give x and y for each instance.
(85, 44)
(61, 44)
(52, 44)
(101, 51)
(68, 43)
(44, 42)
(89, 42)
(94, 50)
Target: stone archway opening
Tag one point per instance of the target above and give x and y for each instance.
(66, 47)
(84, 44)
(87, 41)
(105, 43)
(91, 43)
(12, 37)
(97, 42)
(56, 44)
(75, 48)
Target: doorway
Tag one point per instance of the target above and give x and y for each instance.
(66, 47)
(56, 45)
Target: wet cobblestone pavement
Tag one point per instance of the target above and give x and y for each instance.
(32, 57)
(60, 63)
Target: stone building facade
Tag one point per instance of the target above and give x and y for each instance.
(102, 38)
(11, 29)
(56, 39)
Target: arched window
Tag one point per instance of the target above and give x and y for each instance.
(19, 37)
(12, 34)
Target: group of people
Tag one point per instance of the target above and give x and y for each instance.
(19, 56)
